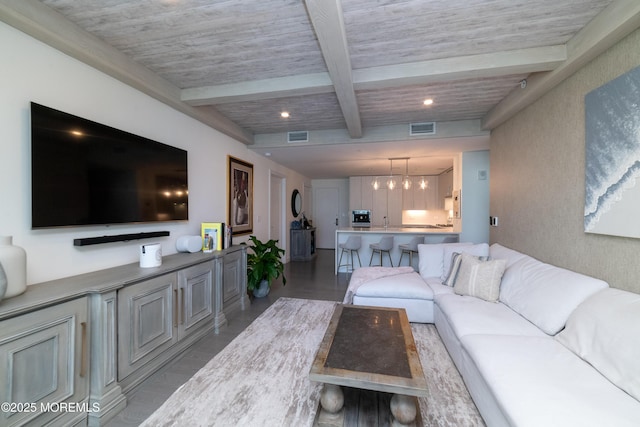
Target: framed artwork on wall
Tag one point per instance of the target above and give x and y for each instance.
(612, 168)
(240, 196)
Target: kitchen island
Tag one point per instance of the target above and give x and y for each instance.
(401, 235)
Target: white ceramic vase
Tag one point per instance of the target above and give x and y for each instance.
(14, 263)
(3, 283)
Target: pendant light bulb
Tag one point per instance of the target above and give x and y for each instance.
(406, 181)
(424, 184)
(375, 184)
(391, 182)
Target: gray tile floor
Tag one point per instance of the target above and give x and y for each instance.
(311, 280)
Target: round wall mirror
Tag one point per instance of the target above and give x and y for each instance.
(296, 203)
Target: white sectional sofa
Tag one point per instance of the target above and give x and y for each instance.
(555, 347)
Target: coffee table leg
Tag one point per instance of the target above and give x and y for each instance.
(331, 398)
(404, 409)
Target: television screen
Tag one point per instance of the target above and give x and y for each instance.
(86, 173)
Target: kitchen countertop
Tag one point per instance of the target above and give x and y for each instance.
(415, 230)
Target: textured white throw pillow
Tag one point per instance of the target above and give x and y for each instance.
(480, 279)
(605, 331)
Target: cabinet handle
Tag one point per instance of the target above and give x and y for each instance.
(175, 308)
(83, 349)
(182, 310)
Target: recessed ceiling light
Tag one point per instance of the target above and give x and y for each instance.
(268, 154)
(285, 115)
(428, 101)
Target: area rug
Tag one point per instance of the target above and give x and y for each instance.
(262, 377)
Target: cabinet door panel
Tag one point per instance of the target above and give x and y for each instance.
(146, 322)
(232, 279)
(42, 360)
(196, 297)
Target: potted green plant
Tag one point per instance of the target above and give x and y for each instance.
(263, 266)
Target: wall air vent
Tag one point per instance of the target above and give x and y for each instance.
(427, 128)
(300, 136)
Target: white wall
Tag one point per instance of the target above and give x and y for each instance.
(32, 71)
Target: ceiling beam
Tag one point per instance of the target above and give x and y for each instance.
(614, 23)
(45, 24)
(326, 18)
(304, 84)
(522, 61)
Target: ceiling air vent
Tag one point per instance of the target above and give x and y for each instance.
(427, 128)
(300, 136)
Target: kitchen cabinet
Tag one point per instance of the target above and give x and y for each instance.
(445, 187)
(361, 192)
(417, 198)
(44, 362)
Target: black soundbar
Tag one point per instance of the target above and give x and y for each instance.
(85, 241)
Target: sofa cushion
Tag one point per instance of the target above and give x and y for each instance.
(539, 382)
(479, 278)
(469, 315)
(605, 331)
(497, 251)
(437, 286)
(545, 294)
(431, 258)
(408, 285)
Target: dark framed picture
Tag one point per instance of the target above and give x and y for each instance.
(240, 195)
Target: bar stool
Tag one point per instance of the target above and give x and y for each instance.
(352, 244)
(384, 245)
(410, 248)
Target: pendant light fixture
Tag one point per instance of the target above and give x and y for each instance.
(391, 182)
(375, 183)
(423, 183)
(406, 180)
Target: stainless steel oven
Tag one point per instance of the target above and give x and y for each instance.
(361, 218)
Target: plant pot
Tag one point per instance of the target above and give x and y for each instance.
(262, 290)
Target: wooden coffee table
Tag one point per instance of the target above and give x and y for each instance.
(370, 348)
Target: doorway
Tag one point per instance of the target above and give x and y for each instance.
(277, 209)
(327, 206)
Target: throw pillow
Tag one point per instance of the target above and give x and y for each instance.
(480, 279)
(479, 249)
(450, 280)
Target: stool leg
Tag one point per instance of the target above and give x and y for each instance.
(359, 262)
(340, 260)
(351, 254)
(373, 251)
(400, 260)
(390, 260)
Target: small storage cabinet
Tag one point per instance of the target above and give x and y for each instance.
(157, 314)
(44, 364)
(303, 244)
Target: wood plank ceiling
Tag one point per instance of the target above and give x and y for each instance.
(346, 70)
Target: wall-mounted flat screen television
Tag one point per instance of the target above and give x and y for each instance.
(86, 173)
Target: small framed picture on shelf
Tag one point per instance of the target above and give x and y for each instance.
(240, 196)
(212, 236)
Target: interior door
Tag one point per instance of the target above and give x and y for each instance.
(327, 202)
(276, 211)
